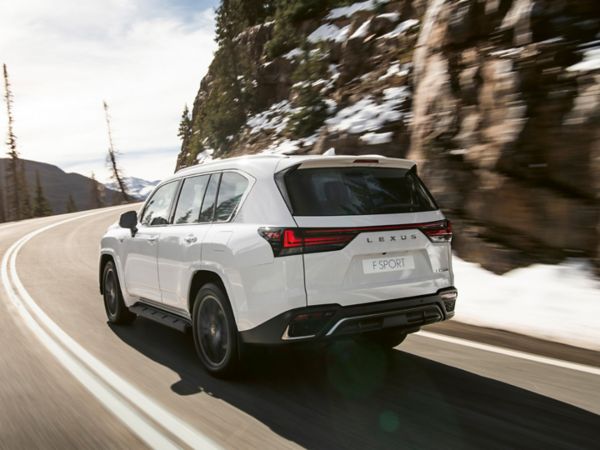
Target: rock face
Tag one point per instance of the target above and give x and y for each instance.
(498, 101)
(506, 125)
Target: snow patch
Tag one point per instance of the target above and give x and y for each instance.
(347, 11)
(293, 53)
(591, 61)
(367, 115)
(329, 32)
(275, 118)
(395, 70)
(288, 146)
(362, 31)
(377, 138)
(560, 303)
(392, 17)
(402, 28)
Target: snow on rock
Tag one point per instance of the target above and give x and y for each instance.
(392, 17)
(293, 53)
(367, 115)
(591, 61)
(275, 118)
(329, 32)
(401, 29)
(377, 138)
(395, 70)
(284, 147)
(205, 156)
(288, 146)
(361, 31)
(559, 303)
(347, 11)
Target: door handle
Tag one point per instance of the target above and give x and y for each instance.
(190, 239)
(152, 239)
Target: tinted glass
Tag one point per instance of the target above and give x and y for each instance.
(347, 191)
(159, 206)
(208, 205)
(233, 186)
(190, 200)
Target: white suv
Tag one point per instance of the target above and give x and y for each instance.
(282, 249)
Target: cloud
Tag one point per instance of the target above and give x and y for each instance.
(144, 57)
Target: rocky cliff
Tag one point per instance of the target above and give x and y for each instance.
(498, 101)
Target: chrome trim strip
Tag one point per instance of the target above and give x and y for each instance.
(286, 337)
(366, 316)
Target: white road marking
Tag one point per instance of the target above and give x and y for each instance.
(128, 415)
(513, 353)
(183, 431)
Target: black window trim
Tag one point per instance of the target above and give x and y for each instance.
(251, 181)
(183, 180)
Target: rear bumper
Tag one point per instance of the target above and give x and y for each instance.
(324, 322)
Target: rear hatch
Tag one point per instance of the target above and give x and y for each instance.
(368, 230)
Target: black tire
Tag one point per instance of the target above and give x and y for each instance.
(116, 311)
(215, 333)
(387, 339)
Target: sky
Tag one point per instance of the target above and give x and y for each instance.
(146, 58)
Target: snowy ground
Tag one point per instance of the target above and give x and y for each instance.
(559, 303)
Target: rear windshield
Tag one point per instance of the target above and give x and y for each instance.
(349, 191)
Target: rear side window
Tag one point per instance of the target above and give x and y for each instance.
(190, 200)
(208, 205)
(233, 186)
(349, 191)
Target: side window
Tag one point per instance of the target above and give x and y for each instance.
(159, 206)
(190, 200)
(233, 186)
(208, 205)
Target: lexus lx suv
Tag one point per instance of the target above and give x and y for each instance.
(280, 250)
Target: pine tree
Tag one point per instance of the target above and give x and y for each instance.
(96, 193)
(71, 205)
(18, 201)
(185, 126)
(41, 207)
(117, 175)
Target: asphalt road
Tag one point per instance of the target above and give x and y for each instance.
(69, 380)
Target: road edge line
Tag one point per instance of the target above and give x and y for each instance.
(170, 422)
(512, 353)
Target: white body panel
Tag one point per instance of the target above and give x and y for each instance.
(179, 254)
(339, 276)
(139, 260)
(160, 262)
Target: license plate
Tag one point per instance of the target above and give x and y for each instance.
(388, 264)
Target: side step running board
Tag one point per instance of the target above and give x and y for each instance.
(158, 315)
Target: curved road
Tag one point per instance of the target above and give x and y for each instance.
(69, 380)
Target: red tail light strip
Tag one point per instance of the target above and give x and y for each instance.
(292, 241)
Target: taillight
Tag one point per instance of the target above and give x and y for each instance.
(294, 241)
(438, 231)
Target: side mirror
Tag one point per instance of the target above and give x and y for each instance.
(129, 220)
